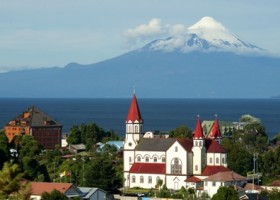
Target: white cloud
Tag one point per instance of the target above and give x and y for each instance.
(154, 29)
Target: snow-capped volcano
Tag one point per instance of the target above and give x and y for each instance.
(207, 35)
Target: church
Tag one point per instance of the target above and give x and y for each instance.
(177, 162)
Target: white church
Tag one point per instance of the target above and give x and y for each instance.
(177, 162)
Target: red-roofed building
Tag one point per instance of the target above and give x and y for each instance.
(177, 162)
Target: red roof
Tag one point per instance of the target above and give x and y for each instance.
(215, 131)
(214, 147)
(37, 188)
(193, 179)
(187, 144)
(198, 133)
(148, 168)
(210, 170)
(134, 111)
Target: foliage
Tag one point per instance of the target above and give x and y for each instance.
(274, 194)
(181, 132)
(4, 148)
(101, 172)
(226, 193)
(54, 195)
(10, 182)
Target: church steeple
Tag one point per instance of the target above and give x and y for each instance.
(134, 114)
(198, 133)
(215, 132)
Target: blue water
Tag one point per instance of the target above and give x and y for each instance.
(158, 114)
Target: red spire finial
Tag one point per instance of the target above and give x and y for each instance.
(134, 111)
(198, 133)
(215, 131)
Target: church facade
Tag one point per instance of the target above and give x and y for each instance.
(176, 162)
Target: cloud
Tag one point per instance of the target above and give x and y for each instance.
(154, 29)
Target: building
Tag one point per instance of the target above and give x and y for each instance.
(35, 122)
(93, 193)
(177, 162)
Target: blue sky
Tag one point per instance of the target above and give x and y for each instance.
(57, 32)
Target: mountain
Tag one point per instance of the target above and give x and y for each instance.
(205, 61)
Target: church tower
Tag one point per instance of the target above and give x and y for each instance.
(198, 149)
(133, 133)
(215, 132)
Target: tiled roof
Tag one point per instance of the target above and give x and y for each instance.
(134, 111)
(186, 143)
(148, 168)
(226, 176)
(275, 183)
(251, 186)
(155, 144)
(198, 133)
(210, 170)
(37, 188)
(213, 146)
(193, 179)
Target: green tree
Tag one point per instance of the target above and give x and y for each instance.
(102, 173)
(226, 193)
(75, 136)
(54, 195)
(181, 132)
(4, 148)
(274, 194)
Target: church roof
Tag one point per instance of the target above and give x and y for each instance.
(198, 133)
(210, 170)
(155, 144)
(213, 146)
(226, 176)
(186, 143)
(148, 168)
(215, 131)
(134, 111)
(193, 179)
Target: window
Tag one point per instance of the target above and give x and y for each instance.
(163, 159)
(138, 159)
(133, 179)
(176, 167)
(200, 143)
(210, 160)
(223, 160)
(155, 159)
(196, 167)
(129, 159)
(176, 149)
(141, 179)
(149, 179)
(147, 159)
(217, 160)
(136, 128)
(195, 143)
(213, 183)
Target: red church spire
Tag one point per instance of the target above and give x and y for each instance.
(134, 111)
(198, 133)
(215, 131)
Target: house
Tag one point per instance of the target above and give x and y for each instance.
(93, 193)
(177, 162)
(38, 188)
(228, 178)
(40, 125)
(77, 148)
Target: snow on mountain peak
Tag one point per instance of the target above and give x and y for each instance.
(207, 34)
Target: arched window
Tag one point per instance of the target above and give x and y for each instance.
(130, 159)
(138, 159)
(196, 167)
(147, 159)
(200, 143)
(176, 149)
(133, 179)
(149, 179)
(210, 160)
(163, 159)
(217, 160)
(136, 129)
(176, 166)
(195, 143)
(155, 159)
(141, 179)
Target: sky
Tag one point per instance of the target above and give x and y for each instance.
(47, 33)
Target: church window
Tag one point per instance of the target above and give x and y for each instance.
(141, 179)
(147, 159)
(130, 159)
(136, 129)
(200, 143)
(195, 143)
(176, 149)
(176, 167)
(138, 158)
(155, 159)
(149, 179)
(213, 183)
(196, 167)
(223, 160)
(217, 160)
(133, 179)
(129, 129)
(210, 160)
(163, 159)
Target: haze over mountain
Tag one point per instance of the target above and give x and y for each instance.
(204, 61)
